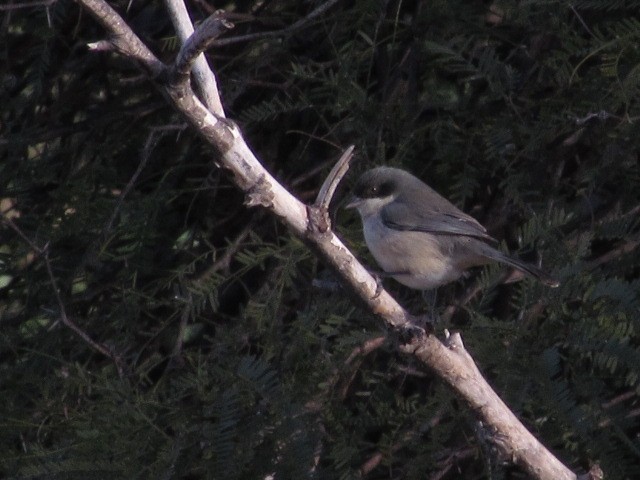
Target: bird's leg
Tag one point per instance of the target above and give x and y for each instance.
(430, 298)
(379, 275)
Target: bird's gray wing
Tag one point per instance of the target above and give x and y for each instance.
(401, 216)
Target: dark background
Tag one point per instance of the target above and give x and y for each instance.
(233, 365)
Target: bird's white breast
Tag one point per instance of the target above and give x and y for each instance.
(415, 259)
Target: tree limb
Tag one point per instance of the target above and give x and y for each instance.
(454, 365)
(203, 75)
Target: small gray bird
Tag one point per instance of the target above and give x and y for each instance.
(420, 238)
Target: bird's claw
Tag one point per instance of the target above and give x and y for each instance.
(411, 332)
(379, 286)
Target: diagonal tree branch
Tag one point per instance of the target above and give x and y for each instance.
(448, 359)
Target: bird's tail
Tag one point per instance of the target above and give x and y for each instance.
(524, 267)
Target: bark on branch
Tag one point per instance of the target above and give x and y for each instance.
(204, 78)
(448, 359)
(198, 42)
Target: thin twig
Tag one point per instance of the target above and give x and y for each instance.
(623, 397)
(101, 46)
(357, 357)
(309, 174)
(225, 260)
(594, 473)
(615, 402)
(35, 3)
(278, 33)
(152, 141)
(626, 247)
(333, 179)
(602, 115)
(43, 252)
(608, 421)
(366, 348)
(318, 213)
(184, 318)
(71, 324)
(448, 463)
(335, 377)
(156, 133)
(580, 19)
(7, 221)
(469, 294)
(409, 436)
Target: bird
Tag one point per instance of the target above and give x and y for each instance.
(418, 237)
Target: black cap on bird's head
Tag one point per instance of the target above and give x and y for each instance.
(380, 182)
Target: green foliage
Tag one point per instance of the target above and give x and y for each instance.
(232, 362)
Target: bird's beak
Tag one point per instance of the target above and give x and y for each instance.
(353, 202)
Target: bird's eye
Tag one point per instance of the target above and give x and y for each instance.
(379, 190)
(369, 189)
